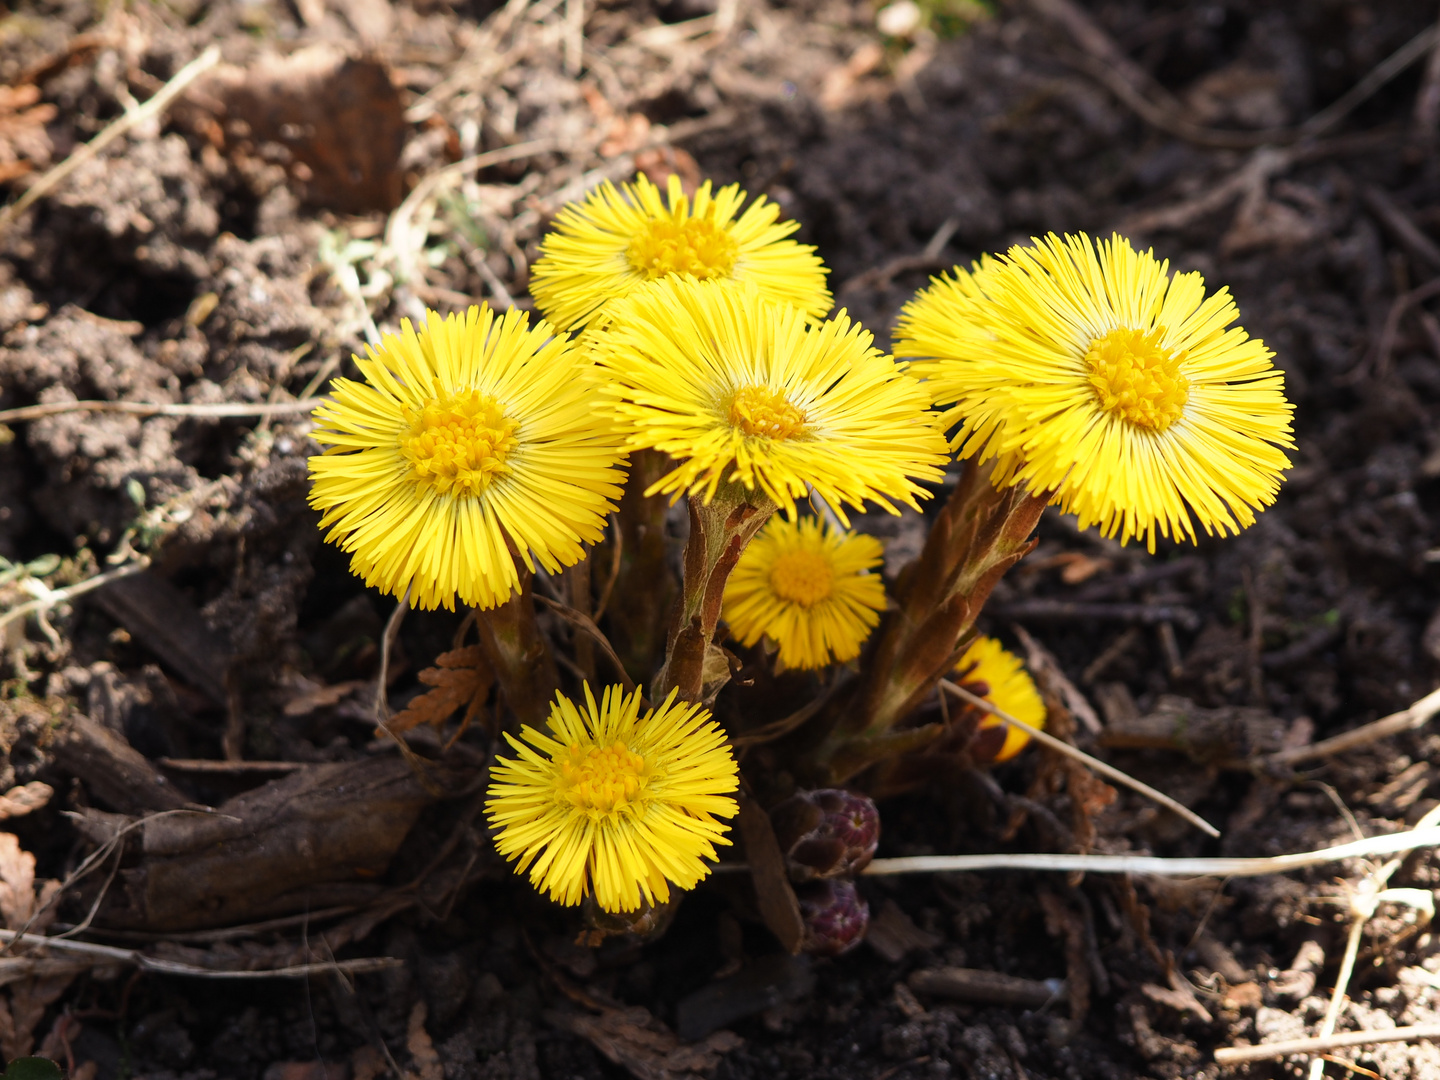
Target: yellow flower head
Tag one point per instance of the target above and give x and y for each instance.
(805, 586)
(1009, 688)
(737, 388)
(612, 801)
(469, 441)
(1090, 372)
(604, 247)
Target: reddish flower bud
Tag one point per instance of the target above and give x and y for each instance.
(836, 916)
(827, 833)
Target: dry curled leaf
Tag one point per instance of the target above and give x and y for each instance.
(21, 800)
(460, 678)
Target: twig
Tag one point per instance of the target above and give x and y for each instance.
(1047, 669)
(108, 954)
(157, 104)
(92, 860)
(879, 277)
(215, 411)
(1416, 716)
(585, 623)
(476, 258)
(398, 228)
(1400, 226)
(1377, 361)
(54, 597)
(1066, 862)
(1427, 101)
(1239, 1055)
(616, 553)
(1107, 63)
(1059, 746)
(574, 37)
(1364, 899)
(1377, 77)
(213, 765)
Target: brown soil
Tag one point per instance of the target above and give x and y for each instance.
(186, 265)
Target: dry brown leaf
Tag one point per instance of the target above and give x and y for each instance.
(460, 678)
(17, 882)
(24, 143)
(422, 1050)
(321, 696)
(29, 998)
(634, 1039)
(339, 117)
(19, 801)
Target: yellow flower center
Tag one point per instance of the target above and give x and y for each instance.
(758, 410)
(1138, 378)
(601, 778)
(696, 246)
(802, 577)
(458, 443)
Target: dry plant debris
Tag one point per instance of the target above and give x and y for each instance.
(1288, 153)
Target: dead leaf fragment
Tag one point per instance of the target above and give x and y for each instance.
(1181, 1000)
(18, 900)
(22, 800)
(461, 678)
(24, 143)
(340, 118)
(635, 1040)
(778, 906)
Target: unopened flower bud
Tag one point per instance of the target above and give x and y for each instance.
(826, 833)
(836, 916)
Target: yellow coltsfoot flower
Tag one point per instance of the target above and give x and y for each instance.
(1008, 687)
(1091, 372)
(614, 802)
(739, 389)
(603, 248)
(810, 589)
(468, 442)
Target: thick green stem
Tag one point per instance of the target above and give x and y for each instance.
(519, 655)
(719, 532)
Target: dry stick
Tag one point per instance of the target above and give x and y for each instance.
(1239, 1055)
(400, 218)
(108, 954)
(1390, 214)
(1427, 101)
(218, 410)
(1110, 66)
(1066, 862)
(1096, 764)
(583, 622)
(1409, 719)
(70, 592)
(156, 105)
(90, 862)
(1363, 902)
(1413, 50)
(1378, 360)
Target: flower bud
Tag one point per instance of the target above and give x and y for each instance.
(826, 833)
(836, 916)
